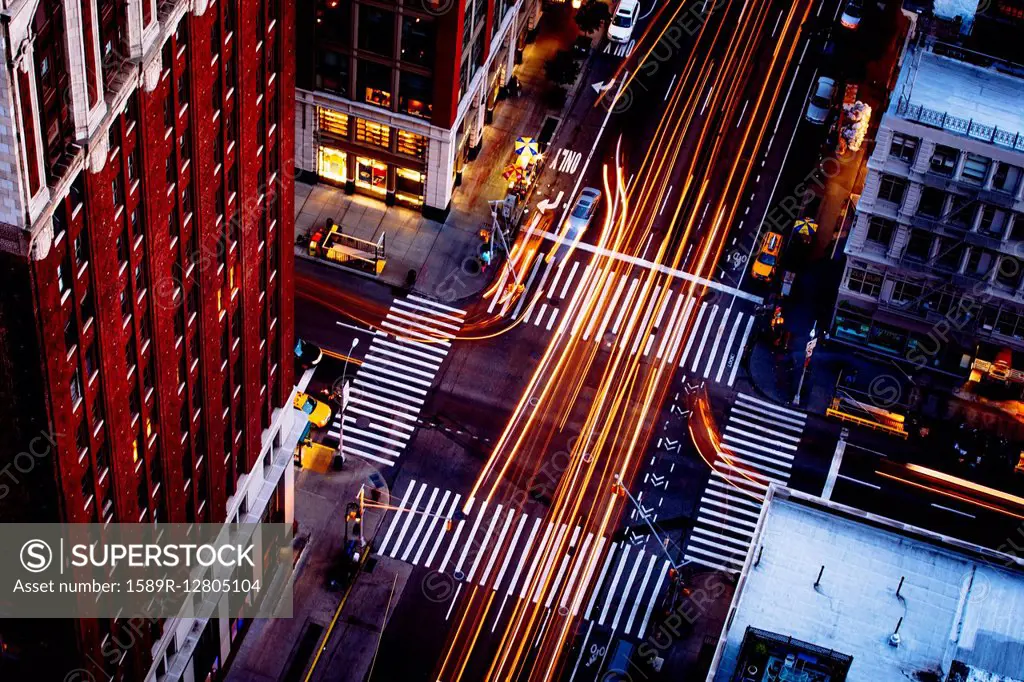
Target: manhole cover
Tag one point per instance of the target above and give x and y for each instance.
(563, 611)
(471, 266)
(459, 575)
(363, 422)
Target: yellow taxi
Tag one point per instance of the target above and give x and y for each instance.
(318, 413)
(767, 257)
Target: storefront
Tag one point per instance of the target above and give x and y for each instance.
(332, 165)
(409, 186)
(371, 176)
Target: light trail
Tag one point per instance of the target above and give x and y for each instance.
(617, 395)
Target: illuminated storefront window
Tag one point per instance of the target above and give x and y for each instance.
(368, 132)
(409, 185)
(378, 98)
(412, 144)
(332, 164)
(371, 174)
(334, 123)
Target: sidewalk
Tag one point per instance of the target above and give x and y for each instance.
(274, 649)
(438, 251)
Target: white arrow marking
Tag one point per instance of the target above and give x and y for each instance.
(548, 204)
(601, 86)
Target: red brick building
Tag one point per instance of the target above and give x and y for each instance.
(146, 326)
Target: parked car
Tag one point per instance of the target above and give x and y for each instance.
(767, 257)
(318, 413)
(820, 103)
(309, 354)
(620, 29)
(851, 14)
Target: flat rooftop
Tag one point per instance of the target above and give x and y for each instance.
(947, 86)
(958, 602)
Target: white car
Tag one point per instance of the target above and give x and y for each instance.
(620, 30)
(851, 14)
(820, 103)
(580, 217)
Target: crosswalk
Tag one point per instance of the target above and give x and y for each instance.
(620, 49)
(391, 385)
(711, 351)
(500, 546)
(759, 443)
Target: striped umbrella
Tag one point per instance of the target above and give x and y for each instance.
(527, 149)
(805, 227)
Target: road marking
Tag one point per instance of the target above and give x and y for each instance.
(433, 521)
(394, 521)
(833, 471)
(615, 581)
(495, 518)
(568, 281)
(955, 511)
(718, 341)
(696, 325)
(508, 554)
(860, 482)
(536, 559)
(650, 604)
(440, 536)
(728, 345)
(663, 269)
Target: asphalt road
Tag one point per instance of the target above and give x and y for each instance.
(470, 582)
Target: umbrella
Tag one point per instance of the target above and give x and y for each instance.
(511, 170)
(527, 148)
(805, 227)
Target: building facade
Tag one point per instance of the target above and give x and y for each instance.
(392, 95)
(935, 256)
(146, 328)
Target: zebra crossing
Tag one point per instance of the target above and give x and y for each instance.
(620, 49)
(501, 544)
(712, 350)
(391, 386)
(758, 446)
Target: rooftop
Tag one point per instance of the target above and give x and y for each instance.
(958, 602)
(943, 92)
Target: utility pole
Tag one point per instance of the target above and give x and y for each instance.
(808, 352)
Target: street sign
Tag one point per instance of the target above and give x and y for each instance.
(810, 347)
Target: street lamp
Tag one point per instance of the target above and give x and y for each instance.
(344, 370)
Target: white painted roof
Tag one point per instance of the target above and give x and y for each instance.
(958, 605)
(946, 85)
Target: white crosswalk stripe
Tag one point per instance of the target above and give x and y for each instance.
(511, 552)
(711, 350)
(390, 387)
(759, 443)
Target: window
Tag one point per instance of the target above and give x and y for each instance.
(115, 191)
(906, 292)
(892, 189)
(63, 278)
(75, 386)
(881, 230)
(961, 211)
(369, 132)
(980, 261)
(864, 282)
(919, 246)
(376, 30)
(333, 123)
(81, 249)
(933, 202)
(1006, 178)
(131, 164)
(184, 145)
(92, 361)
(904, 147)
(944, 160)
(976, 169)
(140, 274)
(126, 302)
(70, 333)
(993, 221)
(136, 223)
(122, 248)
(332, 72)
(183, 87)
(415, 94)
(374, 83)
(418, 41)
(85, 309)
